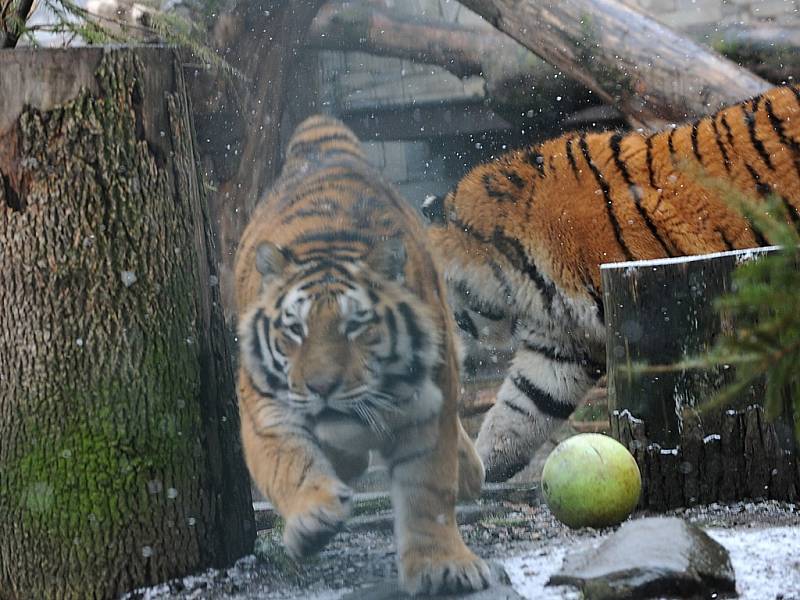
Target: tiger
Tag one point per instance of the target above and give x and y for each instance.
(521, 238)
(347, 345)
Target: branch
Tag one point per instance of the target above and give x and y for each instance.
(516, 79)
(646, 70)
(13, 15)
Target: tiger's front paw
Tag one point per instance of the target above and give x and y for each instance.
(443, 572)
(325, 506)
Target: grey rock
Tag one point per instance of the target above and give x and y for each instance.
(647, 558)
(499, 589)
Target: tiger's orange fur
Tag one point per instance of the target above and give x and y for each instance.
(524, 237)
(346, 346)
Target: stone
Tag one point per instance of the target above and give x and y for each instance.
(652, 557)
(499, 589)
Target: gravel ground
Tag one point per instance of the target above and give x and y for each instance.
(763, 539)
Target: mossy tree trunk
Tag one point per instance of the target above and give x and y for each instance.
(119, 457)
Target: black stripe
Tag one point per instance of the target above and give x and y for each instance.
(671, 143)
(725, 160)
(616, 150)
(598, 302)
(515, 254)
(550, 353)
(541, 399)
(750, 119)
(329, 237)
(318, 266)
(391, 325)
(515, 179)
(491, 191)
(728, 244)
(255, 346)
(466, 324)
(606, 196)
(794, 148)
(650, 173)
(731, 140)
(796, 92)
(312, 145)
(695, 147)
(326, 280)
(571, 159)
(762, 189)
(418, 337)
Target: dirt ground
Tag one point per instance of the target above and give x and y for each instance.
(763, 539)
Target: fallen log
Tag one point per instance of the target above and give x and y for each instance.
(646, 70)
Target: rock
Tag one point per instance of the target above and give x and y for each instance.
(500, 589)
(654, 557)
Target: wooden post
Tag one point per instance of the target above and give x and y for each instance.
(658, 313)
(120, 463)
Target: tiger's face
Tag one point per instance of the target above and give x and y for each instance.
(336, 339)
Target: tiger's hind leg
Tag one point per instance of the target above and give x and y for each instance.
(540, 391)
(471, 473)
(423, 465)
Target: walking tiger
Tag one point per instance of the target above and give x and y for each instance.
(521, 240)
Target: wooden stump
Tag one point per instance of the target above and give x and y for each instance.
(659, 313)
(120, 463)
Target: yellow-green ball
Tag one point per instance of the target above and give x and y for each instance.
(591, 480)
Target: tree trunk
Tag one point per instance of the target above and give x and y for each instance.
(119, 461)
(261, 40)
(644, 69)
(659, 313)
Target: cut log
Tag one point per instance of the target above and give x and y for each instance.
(659, 313)
(120, 464)
(646, 70)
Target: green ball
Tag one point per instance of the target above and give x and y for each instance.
(591, 480)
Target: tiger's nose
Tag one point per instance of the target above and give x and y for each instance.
(323, 386)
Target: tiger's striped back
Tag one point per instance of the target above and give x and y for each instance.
(526, 234)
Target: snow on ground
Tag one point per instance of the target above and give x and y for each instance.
(766, 562)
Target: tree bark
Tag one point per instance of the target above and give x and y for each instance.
(644, 69)
(261, 40)
(119, 462)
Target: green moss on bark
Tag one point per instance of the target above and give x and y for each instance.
(106, 474)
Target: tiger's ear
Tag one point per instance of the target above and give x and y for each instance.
(388, 258)
(433, 209)
(270, 260)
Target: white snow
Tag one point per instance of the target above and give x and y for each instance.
(657, 262)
